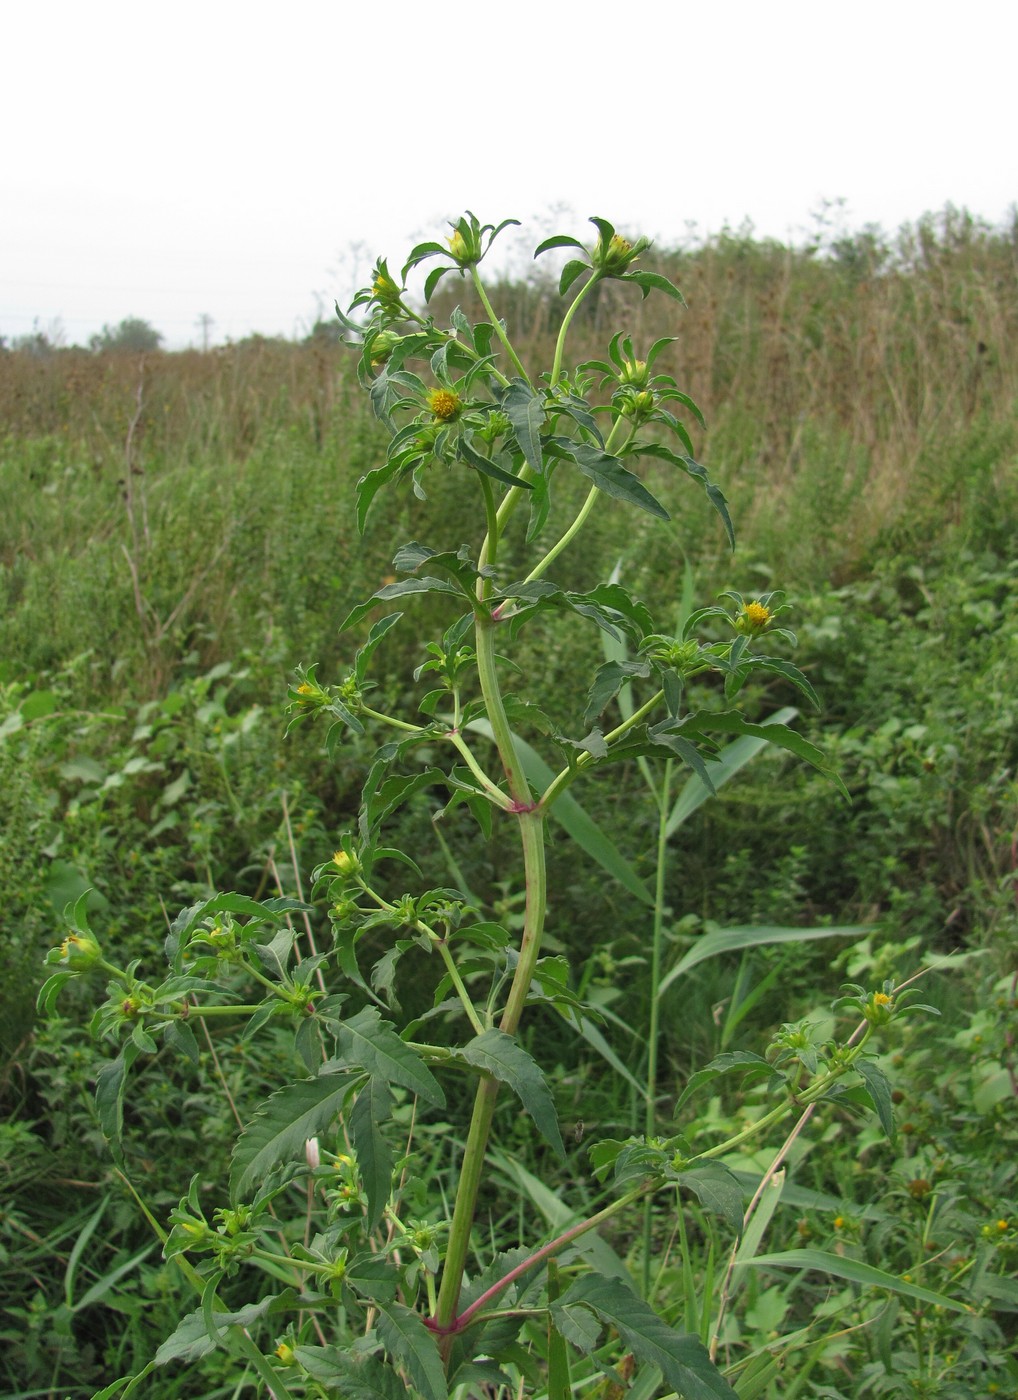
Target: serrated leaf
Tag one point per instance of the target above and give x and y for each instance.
(413, 1347)
(727, 1063)
(525, 411)
(374, 1156)
(717, 1190)
(879, 1090)
(504, 1058)
(399, 590)
(372, 1044)
(682, 1358)
(191, 1341)
(731, 722)
(732, 758)
(610, 476)
(109, 1097)
(488, 467)
(653, 281)
(577, 1325)
(355, 1378)
(281, 1126)
(855, 1272)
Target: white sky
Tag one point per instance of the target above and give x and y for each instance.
(247, 160)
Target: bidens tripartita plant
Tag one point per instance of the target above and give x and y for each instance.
(327, 1266)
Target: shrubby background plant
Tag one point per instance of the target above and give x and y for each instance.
(950, 603)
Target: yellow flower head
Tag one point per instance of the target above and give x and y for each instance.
(345, 863)
(444, 404)
(757, 615)
(881, 999)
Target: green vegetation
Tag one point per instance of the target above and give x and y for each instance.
(180, 541)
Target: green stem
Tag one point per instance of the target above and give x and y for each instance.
(532, 839)
(461, 991)
(475, 277)
(581, 516)
(562, 780)
(653, 1029)
(560, 344)
(206, 1011)
(553, 1247)
(390, 720)
(566, 539)
(494, 792)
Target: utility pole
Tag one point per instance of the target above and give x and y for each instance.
(205, 323)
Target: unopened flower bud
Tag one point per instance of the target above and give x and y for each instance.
(635, 372)
(311, 1153)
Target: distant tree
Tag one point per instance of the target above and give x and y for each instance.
(325, 332)
(132, 335)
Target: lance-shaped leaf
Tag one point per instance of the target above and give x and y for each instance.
(413, 1348)
(109, 1097)
(374, 1157)
(488, 467)
(525, 411)
(504, 1058)
(190, 1341)
(731, 722)
(355, 1378)
(399, 590)
(367, 1042)
(608, 681)
(879, 1090)
(718, 1190)
(610, 476)
(682, 1359)
(282, 1125)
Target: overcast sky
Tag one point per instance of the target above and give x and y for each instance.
(248, 160)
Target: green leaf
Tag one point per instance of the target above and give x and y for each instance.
(856, 1272)
(879, 1090)
(370, 1043)
(682, 1359)
(722, 769)
(718, 1190)
(502, 1056)
(488, 467)
(191, 1341)
(610, 476)
(282, 1125)
(558, 240)
(109, 1097)
(525, 411)
(368, 488)
(399, 590)
(755, 1066)
(731, 722)
(413, 1347)
(732, 940)
(653, 281)
(374, 1157)
(355, 1378)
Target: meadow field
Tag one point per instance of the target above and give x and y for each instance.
(179, 534)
